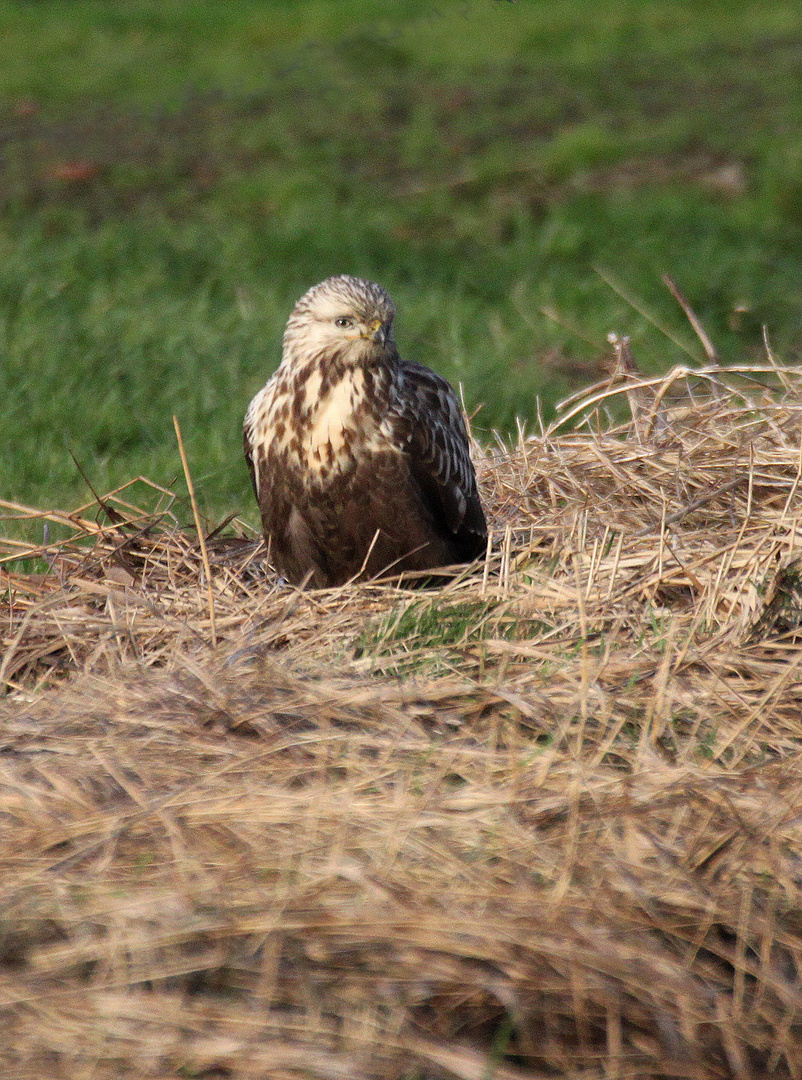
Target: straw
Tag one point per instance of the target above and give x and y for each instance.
(542, 820)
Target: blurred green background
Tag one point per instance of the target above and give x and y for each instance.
(518, 175)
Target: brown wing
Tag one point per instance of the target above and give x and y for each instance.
(246, 439)
(436, 441)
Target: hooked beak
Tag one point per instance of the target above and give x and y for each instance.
(378, 332)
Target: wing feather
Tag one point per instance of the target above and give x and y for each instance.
(436, 440)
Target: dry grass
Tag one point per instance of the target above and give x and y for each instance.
(543, 821)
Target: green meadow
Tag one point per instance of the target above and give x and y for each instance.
(519, 175)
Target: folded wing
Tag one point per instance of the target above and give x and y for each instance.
(429, 423)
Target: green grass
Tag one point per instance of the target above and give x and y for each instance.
(432, 636)
(173, 176)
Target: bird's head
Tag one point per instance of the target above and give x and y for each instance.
(342, 319)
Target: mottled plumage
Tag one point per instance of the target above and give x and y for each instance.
(359, 459)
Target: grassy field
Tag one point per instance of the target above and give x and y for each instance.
(173, 176)
(543, 821)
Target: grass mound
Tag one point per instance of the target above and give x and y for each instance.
(544, 820)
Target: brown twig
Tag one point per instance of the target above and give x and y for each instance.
(199, 528)
(693, 319)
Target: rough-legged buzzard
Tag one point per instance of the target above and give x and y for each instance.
(359, 459)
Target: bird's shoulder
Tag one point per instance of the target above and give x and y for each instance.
(428, 407)
(270, 408)
(425, 389)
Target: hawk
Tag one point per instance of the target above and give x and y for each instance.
(359, 459)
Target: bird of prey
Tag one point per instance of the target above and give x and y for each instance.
(359, 459)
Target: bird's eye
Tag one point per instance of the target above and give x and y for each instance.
(344, 320)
